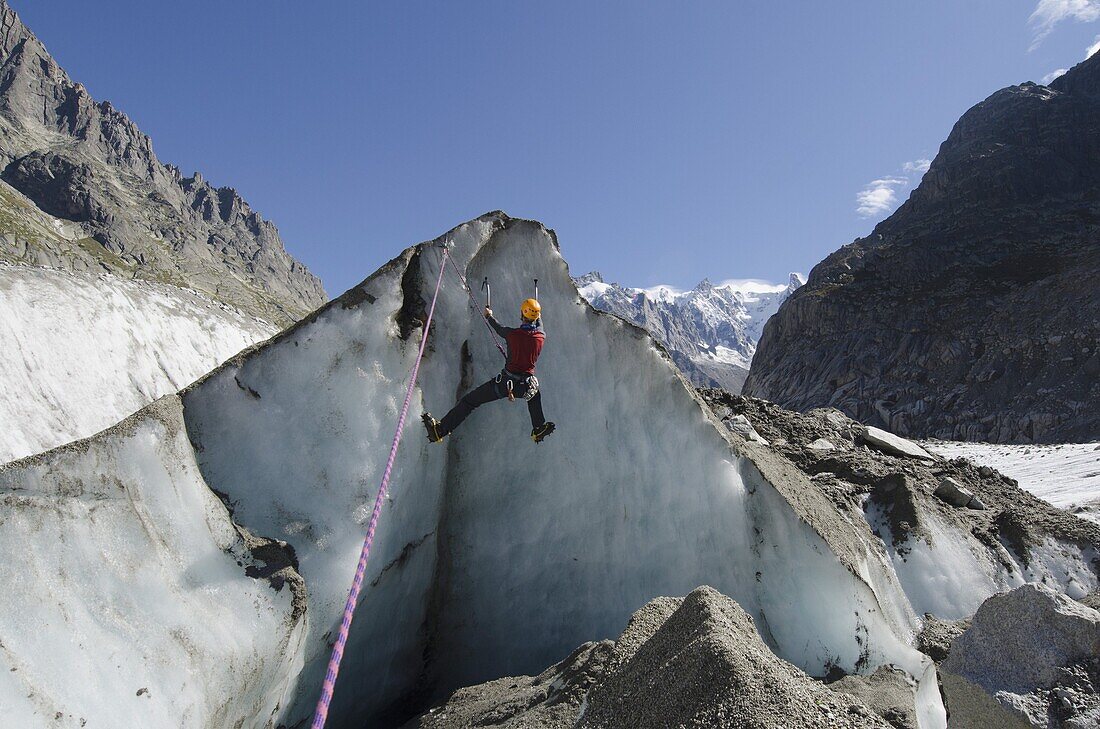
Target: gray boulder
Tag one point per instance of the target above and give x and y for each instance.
(952, 492)
(894, 445)
(550, 700)
(1031, 658)
(740, 424)
(890, 691)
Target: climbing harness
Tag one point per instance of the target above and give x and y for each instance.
(320, 715)
(509, 380)
(503, 378)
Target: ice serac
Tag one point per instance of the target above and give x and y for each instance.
(88, 165)
(972, 312)
(128, 599)
(79, 350)
(494, 556)
(948, 558)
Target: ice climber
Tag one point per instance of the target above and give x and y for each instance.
(517, 379)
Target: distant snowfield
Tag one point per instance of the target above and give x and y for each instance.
(81, 351)
(1066, 475)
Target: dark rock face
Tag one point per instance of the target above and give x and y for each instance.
(973, 312)
(88, 163)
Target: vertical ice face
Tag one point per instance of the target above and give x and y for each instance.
(125, 599)
(495, 556)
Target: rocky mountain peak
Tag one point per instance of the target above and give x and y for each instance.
(962, 315)
(1084, 78)
(12, 30)
(88, 163)
(589, 278)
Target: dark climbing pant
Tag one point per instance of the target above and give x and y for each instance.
(490, 391)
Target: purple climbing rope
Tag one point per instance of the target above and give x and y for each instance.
(321, 713)
(470, 293)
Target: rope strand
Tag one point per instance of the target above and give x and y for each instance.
(320, 716)
(466, 287)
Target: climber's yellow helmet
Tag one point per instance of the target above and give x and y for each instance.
(530, 310)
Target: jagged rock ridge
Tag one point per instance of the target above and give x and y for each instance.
(710, 332)
(972, 312)
(118, 207)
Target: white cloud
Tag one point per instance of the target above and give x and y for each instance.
(1048, 13)
(920, 165)
(879, 196)
(1093, 48)
(1051, 76)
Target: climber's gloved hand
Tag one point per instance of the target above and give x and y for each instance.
(488, 312)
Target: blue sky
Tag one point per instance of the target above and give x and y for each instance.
(663, 141)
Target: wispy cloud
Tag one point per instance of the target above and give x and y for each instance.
(1092, 49)
(881, 196)
(1048, 13)
(919, 165)
(1052, 75)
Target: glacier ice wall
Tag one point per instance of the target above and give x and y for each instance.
(80, 351)
(125, 600)
(495, 556)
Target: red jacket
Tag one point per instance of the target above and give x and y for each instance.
(524, 345)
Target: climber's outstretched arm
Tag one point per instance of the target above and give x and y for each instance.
(496, 325)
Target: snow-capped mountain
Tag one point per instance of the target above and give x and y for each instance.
(711, 331)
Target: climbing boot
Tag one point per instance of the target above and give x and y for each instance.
(432, 426)
(539, 434)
